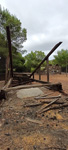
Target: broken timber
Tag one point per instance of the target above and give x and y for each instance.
(52, 97)
(51, 103)
(41, 103)
(33, 121)
(55, 107)
(53, 49)
(10, 50)
(27, 86)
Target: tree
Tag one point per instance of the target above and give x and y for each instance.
(18, 35)
(61, 58)
(18, 62)
(33, 59)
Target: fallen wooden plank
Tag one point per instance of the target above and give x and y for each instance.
(29, 86)
(56, 107)
(33, 121)
(52, 102)
(38, 97)
(52, 97)
(25, 86)
(41, 103)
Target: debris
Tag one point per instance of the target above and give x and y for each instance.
(7, 134)
(41, 103)
(33, 121)
(8, 148)
(56, 107)
(55, 87)
(25, 86)
(48, 97)
(44, 95)
(52, 102)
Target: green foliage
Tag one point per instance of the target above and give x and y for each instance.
(61, 58)
(18, 35)
(33, 59)
(3, 46)
(18, 62)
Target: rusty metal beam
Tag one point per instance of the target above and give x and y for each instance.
(52, 50)
(10, 50)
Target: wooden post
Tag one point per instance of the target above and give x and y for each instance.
(39, 74)
(7, 74)
(47, 70)
(10, 51)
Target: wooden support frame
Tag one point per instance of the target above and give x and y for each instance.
(53, 49)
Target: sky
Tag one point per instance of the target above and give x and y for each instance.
(46, 22)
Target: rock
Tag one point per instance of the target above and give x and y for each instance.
(7, 134)
(34, 147)
(6, 122)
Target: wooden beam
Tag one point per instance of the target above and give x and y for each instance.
(45, 97)
(30, 86)
(7, 73)
(40, 81)
(44, 107)
(8, 84)
(10, 50)
(55, 107)
(25, 86)
(53, 49)
(41, 103)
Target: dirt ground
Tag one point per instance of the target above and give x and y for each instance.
(55, 78)
(23, 127)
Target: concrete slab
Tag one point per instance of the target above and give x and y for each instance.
(23, 93)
